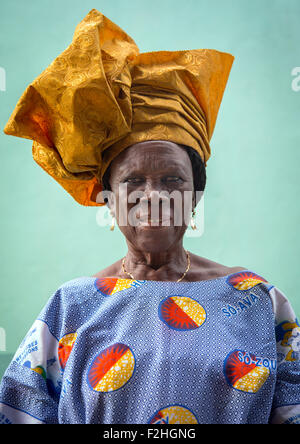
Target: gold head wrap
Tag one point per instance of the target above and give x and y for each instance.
(101, 95)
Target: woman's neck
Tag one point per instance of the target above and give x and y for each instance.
(156, 265)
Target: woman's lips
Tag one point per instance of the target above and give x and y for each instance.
(155, 223)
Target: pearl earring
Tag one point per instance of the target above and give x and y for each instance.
(193, 225)
(112, 226)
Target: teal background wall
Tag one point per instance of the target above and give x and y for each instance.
(252, 195)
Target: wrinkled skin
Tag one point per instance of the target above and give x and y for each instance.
(156, 252)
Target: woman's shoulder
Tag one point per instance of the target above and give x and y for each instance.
(205, 269)
(71, 291)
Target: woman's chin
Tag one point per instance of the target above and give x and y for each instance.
(156, 238)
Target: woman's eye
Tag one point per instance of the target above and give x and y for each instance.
(133, 180)
(168, 179)
(173, 179)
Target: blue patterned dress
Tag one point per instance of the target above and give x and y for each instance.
(124, 351)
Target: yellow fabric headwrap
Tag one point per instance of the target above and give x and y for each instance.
(101, 95)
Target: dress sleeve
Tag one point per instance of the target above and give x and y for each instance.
(286, 401)
(31, 385)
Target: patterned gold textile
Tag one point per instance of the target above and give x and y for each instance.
(101, 95)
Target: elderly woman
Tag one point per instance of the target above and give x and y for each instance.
(162, 335)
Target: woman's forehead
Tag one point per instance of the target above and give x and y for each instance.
(152, 154)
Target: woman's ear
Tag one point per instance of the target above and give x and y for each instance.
(107, 196)
(197, 197)
(194, 204)
(112, 212)
(110, 203)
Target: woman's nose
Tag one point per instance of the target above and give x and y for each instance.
(155, 203)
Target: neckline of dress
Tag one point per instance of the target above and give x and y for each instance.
(181, 282)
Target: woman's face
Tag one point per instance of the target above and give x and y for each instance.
(152, 185)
